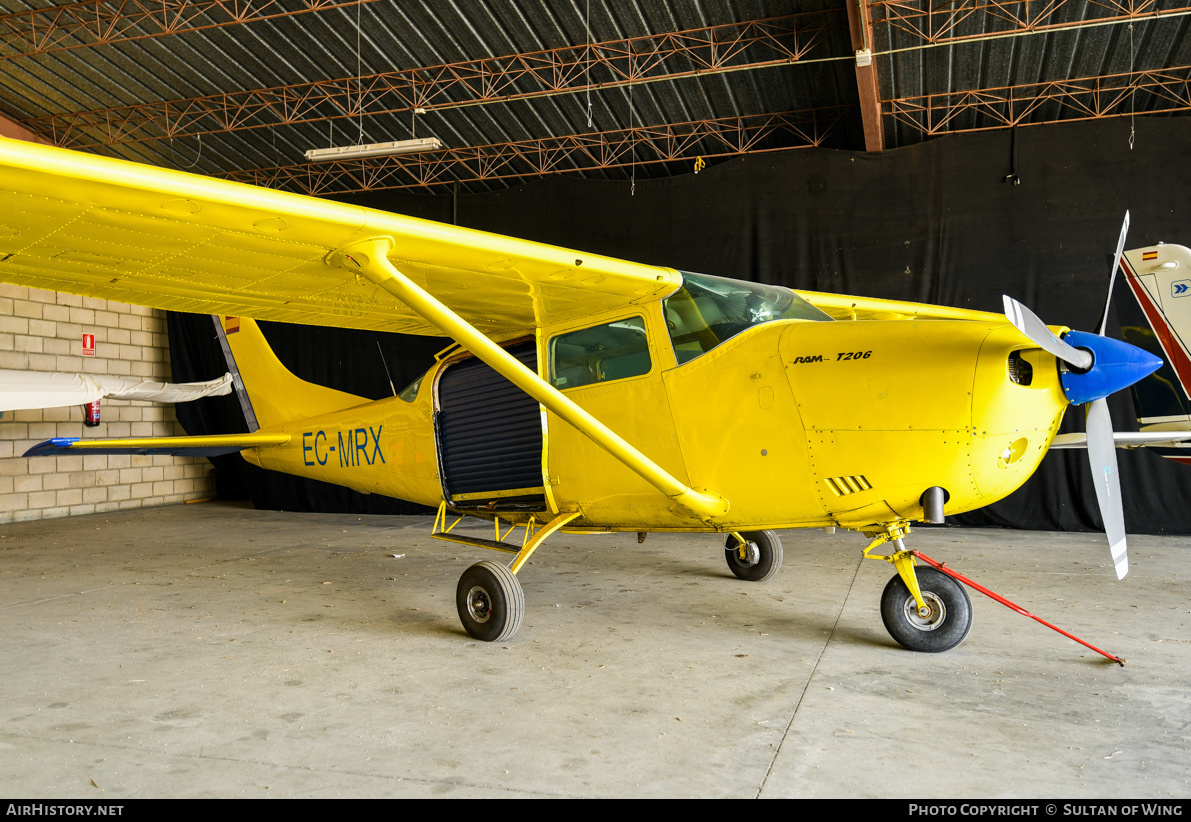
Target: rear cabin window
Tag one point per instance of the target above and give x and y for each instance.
(612, 351)
(707, 310)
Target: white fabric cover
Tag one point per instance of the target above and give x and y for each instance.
(45, 389)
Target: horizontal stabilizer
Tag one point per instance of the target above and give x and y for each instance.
(1124, 439)
(205, 446)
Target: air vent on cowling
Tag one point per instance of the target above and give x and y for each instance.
(842, 486)
(1020, 371)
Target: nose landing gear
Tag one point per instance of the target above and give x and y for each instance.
(922, 608)
(940, 626)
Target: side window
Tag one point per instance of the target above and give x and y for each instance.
(410, 392)
(606, 352)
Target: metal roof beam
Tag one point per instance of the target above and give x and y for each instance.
(747, 45)
(1165, 90)
(867, 83)
(100, 22)
(937, 22)
(641, 145)
(13, 129)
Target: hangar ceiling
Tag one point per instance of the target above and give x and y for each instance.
(608, 89)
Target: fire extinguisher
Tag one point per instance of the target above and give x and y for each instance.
(91, 414)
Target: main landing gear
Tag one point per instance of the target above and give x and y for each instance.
(753, 556)
(488, 597)
(922, 608)
(490, 601)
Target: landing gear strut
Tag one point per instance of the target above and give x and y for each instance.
(488, 597)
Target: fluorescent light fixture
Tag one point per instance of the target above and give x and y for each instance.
(322, 155)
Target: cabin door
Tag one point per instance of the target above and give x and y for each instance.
(489, 436)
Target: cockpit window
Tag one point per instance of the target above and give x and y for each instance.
(612, 351)
(707, 310)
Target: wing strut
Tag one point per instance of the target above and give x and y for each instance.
(369, 259)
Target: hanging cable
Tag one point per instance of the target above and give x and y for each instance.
(633, 143)
(359, 78)
(587, 82)
(1132, 90)
(197, 156)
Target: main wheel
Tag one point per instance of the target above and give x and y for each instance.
(763, 555)
(949, 618)
(490, 601)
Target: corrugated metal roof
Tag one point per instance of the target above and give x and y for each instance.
(996, 70)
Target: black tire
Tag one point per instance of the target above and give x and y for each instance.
(950, 618)
(490, 601)
(768, 560)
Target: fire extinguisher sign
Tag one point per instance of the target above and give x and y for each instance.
(88, 345)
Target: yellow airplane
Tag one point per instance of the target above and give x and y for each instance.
(584, 393)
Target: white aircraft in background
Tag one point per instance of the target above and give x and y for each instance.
(1159, 277)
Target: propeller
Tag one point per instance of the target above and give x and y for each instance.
(1097, 366)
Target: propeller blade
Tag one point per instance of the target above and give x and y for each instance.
(1027, 322)
(1116, 263)
(1102, 455)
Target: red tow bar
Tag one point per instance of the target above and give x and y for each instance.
(1011, 605)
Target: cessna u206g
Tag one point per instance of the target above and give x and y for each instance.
(576, 396)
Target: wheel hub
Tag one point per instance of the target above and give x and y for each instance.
(479, 604)
(934, 615)
(748, 554)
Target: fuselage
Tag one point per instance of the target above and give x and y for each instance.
(795, 422)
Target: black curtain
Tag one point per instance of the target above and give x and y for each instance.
(937, 223)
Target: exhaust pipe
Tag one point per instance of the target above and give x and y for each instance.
(932, 504)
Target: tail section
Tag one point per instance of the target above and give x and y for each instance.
(1159, 320)
(271, 394)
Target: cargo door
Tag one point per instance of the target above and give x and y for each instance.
(489, 436)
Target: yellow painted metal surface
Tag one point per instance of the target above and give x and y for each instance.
(384, 447)
(534, 542)
(277, 395)
(84, 224)
(848, 307)
(370, 260)
(739, 430)
(582, 475)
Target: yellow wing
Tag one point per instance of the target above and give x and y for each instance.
(99, 227)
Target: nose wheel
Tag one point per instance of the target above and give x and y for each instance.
(757, 558)
(941, 625)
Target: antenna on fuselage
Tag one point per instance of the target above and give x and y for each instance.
(386, 365)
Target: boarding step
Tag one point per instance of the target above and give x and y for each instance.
(479, 542)
(443, 531)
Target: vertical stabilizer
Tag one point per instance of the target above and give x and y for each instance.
(1158, 319)
(269, 393)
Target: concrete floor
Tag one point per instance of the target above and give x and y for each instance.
(212, 650)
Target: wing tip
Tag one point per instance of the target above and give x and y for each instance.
(51, 447)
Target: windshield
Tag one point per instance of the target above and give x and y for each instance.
(707, 310)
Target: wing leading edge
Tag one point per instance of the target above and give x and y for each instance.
(106, 228)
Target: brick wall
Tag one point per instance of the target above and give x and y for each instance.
(43, 331)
